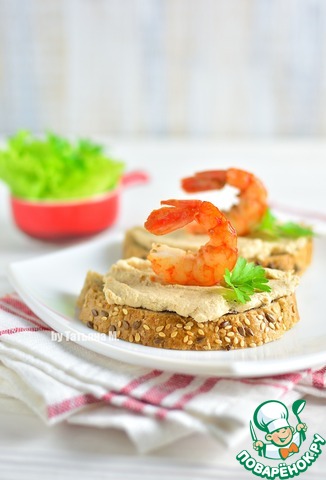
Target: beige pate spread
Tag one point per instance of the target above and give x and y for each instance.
(132, 282)
(251, 248)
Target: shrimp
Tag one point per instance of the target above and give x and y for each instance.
(246, 214)
(206, 266)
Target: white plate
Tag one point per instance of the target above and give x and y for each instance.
(50, 284)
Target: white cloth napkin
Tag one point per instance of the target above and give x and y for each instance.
(63, 381)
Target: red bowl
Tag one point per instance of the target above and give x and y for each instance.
(62, 220)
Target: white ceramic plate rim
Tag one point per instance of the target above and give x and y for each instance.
(205, 363)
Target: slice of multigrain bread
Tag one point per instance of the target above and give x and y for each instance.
(296, 261)
(172, 331)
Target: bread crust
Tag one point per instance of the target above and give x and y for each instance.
(297, 262)
(171, 331)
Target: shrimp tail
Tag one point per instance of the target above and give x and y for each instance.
(202, 181)
(165, 219)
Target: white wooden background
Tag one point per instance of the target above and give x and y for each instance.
(198, 67)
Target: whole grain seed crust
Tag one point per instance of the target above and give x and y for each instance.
(171, 331)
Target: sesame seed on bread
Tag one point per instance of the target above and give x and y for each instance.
(171, 331)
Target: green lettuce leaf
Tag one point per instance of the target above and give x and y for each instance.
(54, 168)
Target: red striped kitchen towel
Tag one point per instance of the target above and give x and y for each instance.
(62, 380)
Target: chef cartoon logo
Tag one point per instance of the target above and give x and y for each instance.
(281, 440)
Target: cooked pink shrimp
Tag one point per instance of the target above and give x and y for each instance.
(206, 266)
(252, 205)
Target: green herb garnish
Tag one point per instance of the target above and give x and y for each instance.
(245, 279)
(54, 168)
(271, 227)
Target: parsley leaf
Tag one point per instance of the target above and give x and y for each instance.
(293, 230)
(245, 279)
(271, 227)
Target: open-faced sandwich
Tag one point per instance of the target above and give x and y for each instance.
(262, 239)
(209, 299)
